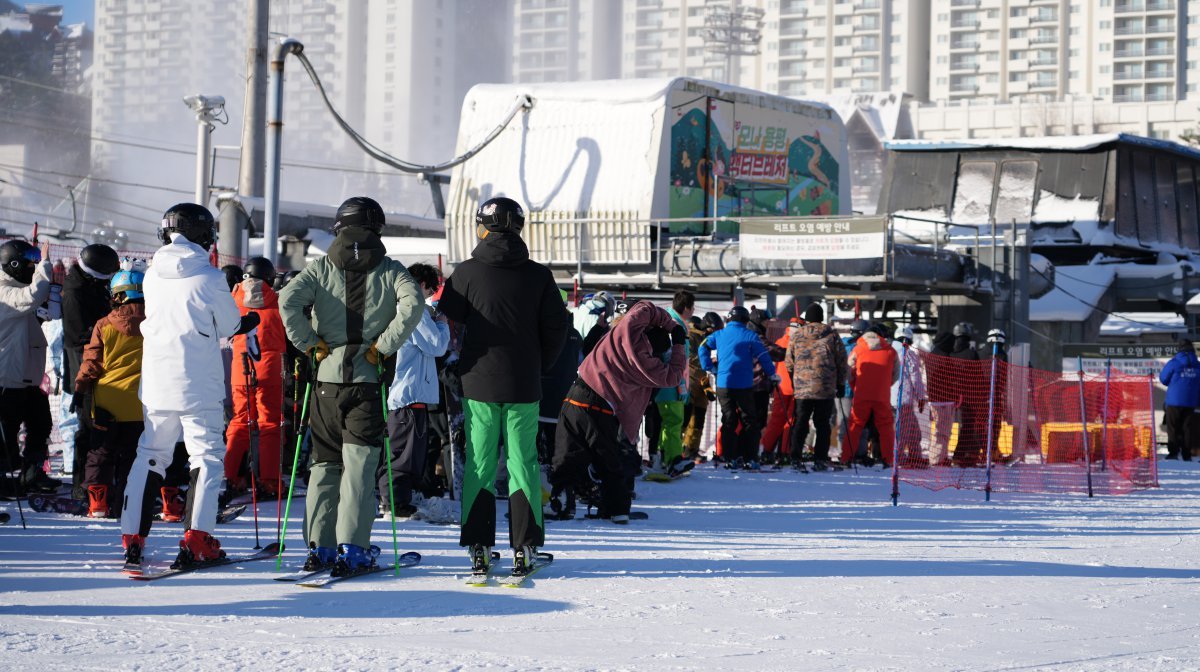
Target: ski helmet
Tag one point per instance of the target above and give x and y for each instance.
(713, 321)
(997, 336)
(359, 211)
(126, 286)
(190, 220)
(500, 214)
(905, 335)
(259, 268)
(19, 258)
(738, 314)
(99, 261)
(963, 329)
(859, 327)
(624, 305)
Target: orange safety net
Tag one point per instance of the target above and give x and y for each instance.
(994, 426)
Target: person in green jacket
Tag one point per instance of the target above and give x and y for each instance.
(516, 325)
(671, 400)
(364, 307)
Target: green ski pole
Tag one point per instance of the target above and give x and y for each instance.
(296, 459)
(387, 447)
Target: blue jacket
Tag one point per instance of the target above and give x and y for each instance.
(680, 391)
(1181, 375)
(736, 348)
(416, 379)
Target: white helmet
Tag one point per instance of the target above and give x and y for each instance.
(904, 334)
(997, 336)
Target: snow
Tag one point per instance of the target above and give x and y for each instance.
(1068, 143)
(1075, 287)
(766, 571)
(1135, 324)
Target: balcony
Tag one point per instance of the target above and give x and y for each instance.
(1129, 53)
(1043, 39)
(1160, 51)
(1128, 98)
(872, 69)
(1132, 29)
(1160, 6)
(793, 9)
(1159, 73)
(1157, 97)
(1160, 27)
(1042, 83)
(965, 64)
(963, 24)
(964, 44)
(866, 26)
(867, 6)
(1125, 75)
(964, 3)
(1043, 17)
(1042, 62)
(1127, 7)
(964, 87)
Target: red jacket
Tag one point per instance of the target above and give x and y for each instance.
(874, 366)
(785, 379)
(624, 370)
(255, 295)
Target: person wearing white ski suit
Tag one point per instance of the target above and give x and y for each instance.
(189, 309)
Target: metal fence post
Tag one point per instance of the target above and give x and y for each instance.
(1104, 417)
(1087, 453)
(987, 488)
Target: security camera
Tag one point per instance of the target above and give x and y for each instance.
(201, 103)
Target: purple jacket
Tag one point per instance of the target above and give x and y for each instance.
(624, 370)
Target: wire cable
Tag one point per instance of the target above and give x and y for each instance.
(1094, 306)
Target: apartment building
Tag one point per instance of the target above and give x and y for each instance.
(565, 40)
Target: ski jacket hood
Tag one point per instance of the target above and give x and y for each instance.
(356, 249)
(182, 259)
(504, 250)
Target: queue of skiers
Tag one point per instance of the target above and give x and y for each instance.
(187, 380)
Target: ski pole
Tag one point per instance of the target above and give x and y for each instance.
(16, 482)
(387, 447)
(296, 460)
(252, 422)
(295, 420)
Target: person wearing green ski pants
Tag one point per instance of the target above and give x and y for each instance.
(518, 424)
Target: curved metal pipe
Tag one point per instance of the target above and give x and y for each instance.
(275, 145)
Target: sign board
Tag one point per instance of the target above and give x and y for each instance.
(814, 238)
(1134, 360)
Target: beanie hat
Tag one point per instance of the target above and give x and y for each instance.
(814, 313)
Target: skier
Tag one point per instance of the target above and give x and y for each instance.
(700, 388)
(556, 382)
(598, 424)
(908, 442)
(414, 389)
(1181, 375)
(24, 287)
(515, 328)
(816, 362)
(873, 368)
(672, 399)
(107, 384)
(364, 307)
(778, 430)
(591, 319)
(257, 369)
(188, 310)
(85, 299)
(737, 348)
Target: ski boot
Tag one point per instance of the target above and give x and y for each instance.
(197, 547)
(133, 545)
(35, 481)
(523, 559)
(352, 559)
(319, 557)
(174, 504)
(481, 558)
(97, 501)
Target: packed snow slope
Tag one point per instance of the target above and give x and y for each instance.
(733, 571)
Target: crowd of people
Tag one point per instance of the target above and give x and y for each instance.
(188, 381)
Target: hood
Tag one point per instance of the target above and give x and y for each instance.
(501, 249)
(181, 259)
(128, 318)
(873, 341)
(944, 341)
(962, 343)
(813, 331)
(356, 249)
(254, 293)
(1188, 358)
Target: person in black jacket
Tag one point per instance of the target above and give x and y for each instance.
(85, 300)
(515, 328)
(556, 382)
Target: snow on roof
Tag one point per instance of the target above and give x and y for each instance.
(882, 112)
(1075, 287)
(15, 23)
(1135, 324)
(1067, 143)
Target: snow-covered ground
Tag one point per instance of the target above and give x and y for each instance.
(766, 571)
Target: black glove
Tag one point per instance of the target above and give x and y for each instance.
(841, 392)
(712, 396)
(678, 335)
(249, 321)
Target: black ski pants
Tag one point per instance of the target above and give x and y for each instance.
(1181, 431)
(738, 407)
(25, 406)
(820, 413)
(589, 435)
(408, 435)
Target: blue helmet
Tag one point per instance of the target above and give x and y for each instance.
(126, 285)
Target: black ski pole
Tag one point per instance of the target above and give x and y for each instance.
(296, 458)
(16, 482)
(252, 423)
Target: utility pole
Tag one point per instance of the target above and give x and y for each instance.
(208, 109)
(234, 224)
(731, 30)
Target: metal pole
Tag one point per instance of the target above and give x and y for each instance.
(203, 162)
(275, 147)
(1087, 452)
(896, 439)
(1153, 431)
(987, 488)
(1104, 417)
(254, 121)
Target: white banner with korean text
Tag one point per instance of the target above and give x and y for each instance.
(814, 238)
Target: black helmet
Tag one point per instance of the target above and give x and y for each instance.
(713, 321)
(738, 314)
(696, 323)
(500, 214)
(99, 261)
(19, 259)
(359, 211)
(192, 221)
(260, 268)
(283, 279)
(624, 305)
(859, 327)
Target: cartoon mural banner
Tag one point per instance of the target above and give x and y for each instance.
(814, 238)
(743, 160)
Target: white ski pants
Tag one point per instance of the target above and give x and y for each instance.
(201, 434)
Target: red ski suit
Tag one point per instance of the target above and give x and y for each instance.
(257, 296)
(874, 367)
(779, 424)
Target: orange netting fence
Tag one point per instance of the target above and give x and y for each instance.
(997, 427)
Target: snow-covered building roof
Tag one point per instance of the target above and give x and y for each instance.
(1077, 291)
(1137, 324)
(1067, 143)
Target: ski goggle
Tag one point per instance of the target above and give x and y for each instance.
(33, 255)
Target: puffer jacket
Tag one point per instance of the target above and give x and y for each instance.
(1181, 375)
(737, 349)
(188, 311)
(416, 379)
(676, 392)
(84, 302)
(254, 295)
(698, 381)
(113, 361)
(358, 296)
(874, 367)
(816, 360)
(22, 343)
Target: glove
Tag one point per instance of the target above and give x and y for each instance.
(841, 392)
(678, 335)
(83, 386)
(775, 379)
(710, 395)
(320, 350)
(372, 355)
(249, 321)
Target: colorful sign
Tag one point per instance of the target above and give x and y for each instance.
(814, 238)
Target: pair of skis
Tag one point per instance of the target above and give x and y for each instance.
(317, 579)
(323, 577)
(483, 578)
